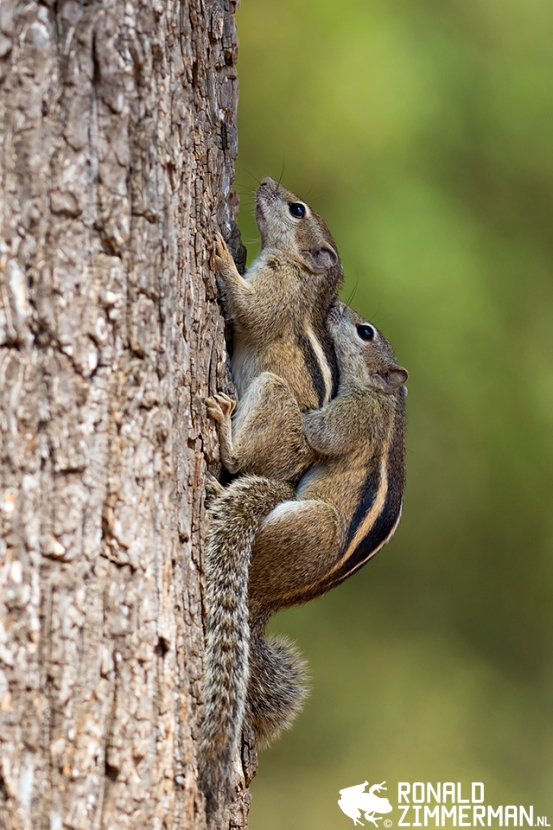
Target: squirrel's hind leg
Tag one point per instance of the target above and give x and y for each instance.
(268, 436)
(294, 550)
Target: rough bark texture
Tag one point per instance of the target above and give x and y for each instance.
(118, 139)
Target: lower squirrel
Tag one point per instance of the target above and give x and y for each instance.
(270, 547)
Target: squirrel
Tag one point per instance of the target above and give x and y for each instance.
(271, 547)
(280, 342)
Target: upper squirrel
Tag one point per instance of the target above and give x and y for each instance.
(280, 343)
(279, 306)
(302, 543)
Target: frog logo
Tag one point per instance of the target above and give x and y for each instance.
(354, 801)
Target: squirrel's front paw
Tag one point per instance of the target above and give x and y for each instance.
(220, 407)
(223, 257)
(213, 489)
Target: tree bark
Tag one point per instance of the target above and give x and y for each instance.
(118, 140)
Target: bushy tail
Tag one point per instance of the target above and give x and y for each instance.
(234, 518)
(277, 688)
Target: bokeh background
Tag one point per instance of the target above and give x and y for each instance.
(422, 131)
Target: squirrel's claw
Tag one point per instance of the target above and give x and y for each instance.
(227, 404)
(214, 410)
(213, 488)
(220, 407)
(223, 257)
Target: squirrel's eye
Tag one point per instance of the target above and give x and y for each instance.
(365, 332)
(297, 209)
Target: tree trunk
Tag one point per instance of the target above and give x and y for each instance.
(118, 140)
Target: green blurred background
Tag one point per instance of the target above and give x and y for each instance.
(423, 133)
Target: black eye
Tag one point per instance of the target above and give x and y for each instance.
(365, 332)
(297, 209)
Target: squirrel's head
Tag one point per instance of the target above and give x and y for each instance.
(288, 224)
(363, 353)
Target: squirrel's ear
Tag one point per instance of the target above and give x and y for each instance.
(394, 377)
(320, 259)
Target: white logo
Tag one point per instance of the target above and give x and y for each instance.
(354, 801)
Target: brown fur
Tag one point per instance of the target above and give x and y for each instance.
(299, 543)
(286, 292)
(299, 546)
(281, 344)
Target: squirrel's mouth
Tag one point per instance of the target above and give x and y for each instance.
(267, 192)
(267, 195)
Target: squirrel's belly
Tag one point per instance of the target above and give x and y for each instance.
(244, 366)
(290, 365)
